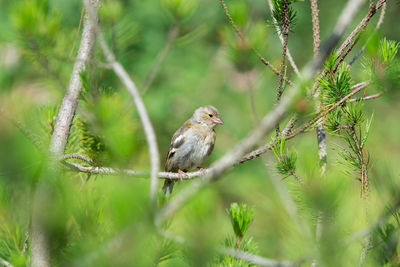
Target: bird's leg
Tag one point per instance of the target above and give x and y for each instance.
(181, 174)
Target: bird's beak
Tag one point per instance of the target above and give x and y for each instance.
(218, 121)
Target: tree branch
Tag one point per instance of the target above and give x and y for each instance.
(144, 117)
(366, 97)
(5, 263)
(378, 25)
(244, 39)
(40, 247)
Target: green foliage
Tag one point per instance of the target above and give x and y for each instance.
(241, 216)
(208, 64)
(353, 112)
(286, 164)
(384, 70)
(333, 120)
(278, 13)
(388, 50)
(385, 241)
(330, 62)
(247, 245)
(179, 9)
(335, 86)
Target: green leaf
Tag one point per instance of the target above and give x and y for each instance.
(241, 216)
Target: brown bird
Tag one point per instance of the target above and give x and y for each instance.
(191, 143)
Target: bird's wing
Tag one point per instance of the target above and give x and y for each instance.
(177, 140)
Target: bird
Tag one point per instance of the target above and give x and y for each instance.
(192, 143)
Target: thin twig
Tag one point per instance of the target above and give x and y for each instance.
(342, 25)
(244, 39)
(289, 55)
(77, 32)
(356, 88)
(377, 27)
(144, 117)
(361, 26)
(161, 57)
(370, 97)
(78, 156)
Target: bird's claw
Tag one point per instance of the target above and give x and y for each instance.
(181, 174)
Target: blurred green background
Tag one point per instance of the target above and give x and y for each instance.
(207, 64)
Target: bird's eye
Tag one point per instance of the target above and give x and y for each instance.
(210, 115)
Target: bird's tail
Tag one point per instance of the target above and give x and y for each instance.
(168, 186)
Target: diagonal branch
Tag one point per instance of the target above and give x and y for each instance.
(244, 39)
(378, 25)
(144, 117)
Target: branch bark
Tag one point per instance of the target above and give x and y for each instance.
(40, 247)
(258, 260)
(5, 263)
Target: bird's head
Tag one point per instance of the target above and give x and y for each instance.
(208, 115)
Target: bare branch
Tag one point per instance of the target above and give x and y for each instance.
(366, 97)
(378, 25)
(5, 263)
(40, 247)
(361, 26)
(161, 57)
(78, 156)
(244, 39)
(348, 14)
(315, 24)
(144, 117)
